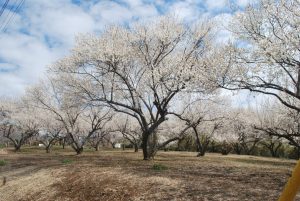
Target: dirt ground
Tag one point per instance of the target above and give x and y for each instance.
(122, 175)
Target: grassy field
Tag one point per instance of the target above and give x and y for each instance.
(122, 175)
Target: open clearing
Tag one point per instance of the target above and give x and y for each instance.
(122, 175)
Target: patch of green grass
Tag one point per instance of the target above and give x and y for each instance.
(67, 161)
(2, 162)
(89, 150)
(159, 167)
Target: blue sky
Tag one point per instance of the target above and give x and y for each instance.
(44, 30)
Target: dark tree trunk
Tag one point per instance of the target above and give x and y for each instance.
(179, 143)
(273, 153)
(145, 146)
(17, 147)
(250, 151)
(273, 149)
(97, 147)
(237, 148)
(213, 146)
(225, 148)
(200, 149)
(79, 150)
(47, 149)
(17, 144)
(49, 146)
(63, 143)
(149, 140)
(201, 153)
(276, 150)
(136, 148)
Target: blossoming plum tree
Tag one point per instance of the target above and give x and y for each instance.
(139, 70)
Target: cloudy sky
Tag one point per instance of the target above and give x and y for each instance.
(42, 31)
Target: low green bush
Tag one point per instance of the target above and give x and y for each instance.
(2, 162)
(67, 161)
(159, 167)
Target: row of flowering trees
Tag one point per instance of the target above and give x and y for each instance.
(139, 80)
(202, 125)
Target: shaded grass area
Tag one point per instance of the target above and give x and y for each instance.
(264, 162)
(159, 167)
(2, 162)
(67, 161)
(122, 175)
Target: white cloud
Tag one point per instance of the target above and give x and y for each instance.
(215, 4)
(110, 12)
(44, 31)
(26, 61)
(11, 85)
(188, 11)
(58, 20)
(242, 3)
(223, 35)
(184, 10)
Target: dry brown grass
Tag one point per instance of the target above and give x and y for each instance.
(119, 175)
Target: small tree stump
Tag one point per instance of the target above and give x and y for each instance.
(4, 181)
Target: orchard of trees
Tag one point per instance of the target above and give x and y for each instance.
(161, 85)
